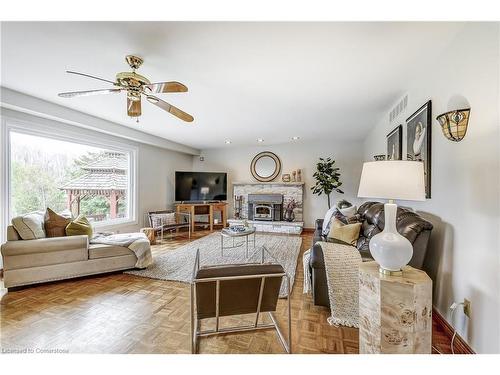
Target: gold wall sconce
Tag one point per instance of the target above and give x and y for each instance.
(454, 124)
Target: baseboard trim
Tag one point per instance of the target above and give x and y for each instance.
(461, 347)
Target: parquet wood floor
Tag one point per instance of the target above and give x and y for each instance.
(120, 313)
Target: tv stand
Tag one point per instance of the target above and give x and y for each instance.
(204, 208)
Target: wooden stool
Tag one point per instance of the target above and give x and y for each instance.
(150, 234)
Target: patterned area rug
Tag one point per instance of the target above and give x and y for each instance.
(177, 265)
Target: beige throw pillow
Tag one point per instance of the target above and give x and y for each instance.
(29, 226)
(344, 232)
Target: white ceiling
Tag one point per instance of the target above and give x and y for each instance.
(246, 80)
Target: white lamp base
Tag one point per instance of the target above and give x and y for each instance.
(390, 250)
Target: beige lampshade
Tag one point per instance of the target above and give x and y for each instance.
(394, 179)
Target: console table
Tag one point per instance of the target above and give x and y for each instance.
(204, 209)
(395, 312)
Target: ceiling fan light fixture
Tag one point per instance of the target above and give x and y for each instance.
(260, 140)
(152, 99)
(227, 142)
(295, 138)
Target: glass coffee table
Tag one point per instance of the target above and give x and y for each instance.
(229, 233)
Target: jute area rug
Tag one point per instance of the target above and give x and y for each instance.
(177, 265)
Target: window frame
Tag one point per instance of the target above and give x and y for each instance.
(62, 132)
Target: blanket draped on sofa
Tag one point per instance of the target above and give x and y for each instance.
(138, 243)
(342, 273)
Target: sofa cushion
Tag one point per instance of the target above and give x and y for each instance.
(29, 226)
(97, 251)
(79, 226)
(55, 224)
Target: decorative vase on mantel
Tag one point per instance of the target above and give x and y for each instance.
(289, 215)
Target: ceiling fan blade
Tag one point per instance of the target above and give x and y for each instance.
(87, 93)
(134, 107)
(170, 108)
(89, 76)
(159, 87)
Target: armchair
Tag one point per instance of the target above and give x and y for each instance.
(227, 290)
(169, 221)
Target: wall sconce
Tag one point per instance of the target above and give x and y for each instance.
(454, 124)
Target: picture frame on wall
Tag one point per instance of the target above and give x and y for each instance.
(395, 144)
(418, 141)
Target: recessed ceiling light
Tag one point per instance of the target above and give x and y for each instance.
(227, 142)
(260, 140)
(295, 138)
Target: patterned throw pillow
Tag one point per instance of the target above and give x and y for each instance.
(327, 220)
(55, 224)
(29, 226)
(79, 226)
(159, 220)
(169, 219)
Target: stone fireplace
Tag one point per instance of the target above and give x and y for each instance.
(262, 203)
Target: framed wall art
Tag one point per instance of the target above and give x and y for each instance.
(395, 144)
(418, 140)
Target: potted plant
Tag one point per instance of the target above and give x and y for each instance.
(327, 178)
(289, 207)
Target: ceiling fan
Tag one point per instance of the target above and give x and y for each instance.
(136, 85)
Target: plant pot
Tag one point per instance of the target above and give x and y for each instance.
(289, 215)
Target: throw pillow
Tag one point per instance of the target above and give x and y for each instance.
(158, 220)
(29, 226)
(345, 232)
(349, 211)
(55, 224)
(326, 221)
(79, 226)
(169, 219)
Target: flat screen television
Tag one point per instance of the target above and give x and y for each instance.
(200, 186)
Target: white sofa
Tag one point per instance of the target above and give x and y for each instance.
(28, 262)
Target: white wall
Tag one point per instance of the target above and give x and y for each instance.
(304, 155)
(464, 253)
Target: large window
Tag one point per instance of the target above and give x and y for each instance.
(69, 177)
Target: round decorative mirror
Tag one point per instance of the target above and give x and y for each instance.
(265, 166)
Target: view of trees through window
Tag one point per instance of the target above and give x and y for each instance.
(67, 177)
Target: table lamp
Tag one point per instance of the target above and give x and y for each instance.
(394, 179)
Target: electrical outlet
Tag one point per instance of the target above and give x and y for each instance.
(467, 307)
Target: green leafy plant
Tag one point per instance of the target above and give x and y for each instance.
(327, 178)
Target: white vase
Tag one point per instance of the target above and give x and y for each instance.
(390, 250)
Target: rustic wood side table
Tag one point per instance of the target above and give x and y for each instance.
(395, 311)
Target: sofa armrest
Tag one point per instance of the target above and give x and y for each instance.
(44, 245)
(317, 260)
(319, 224)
